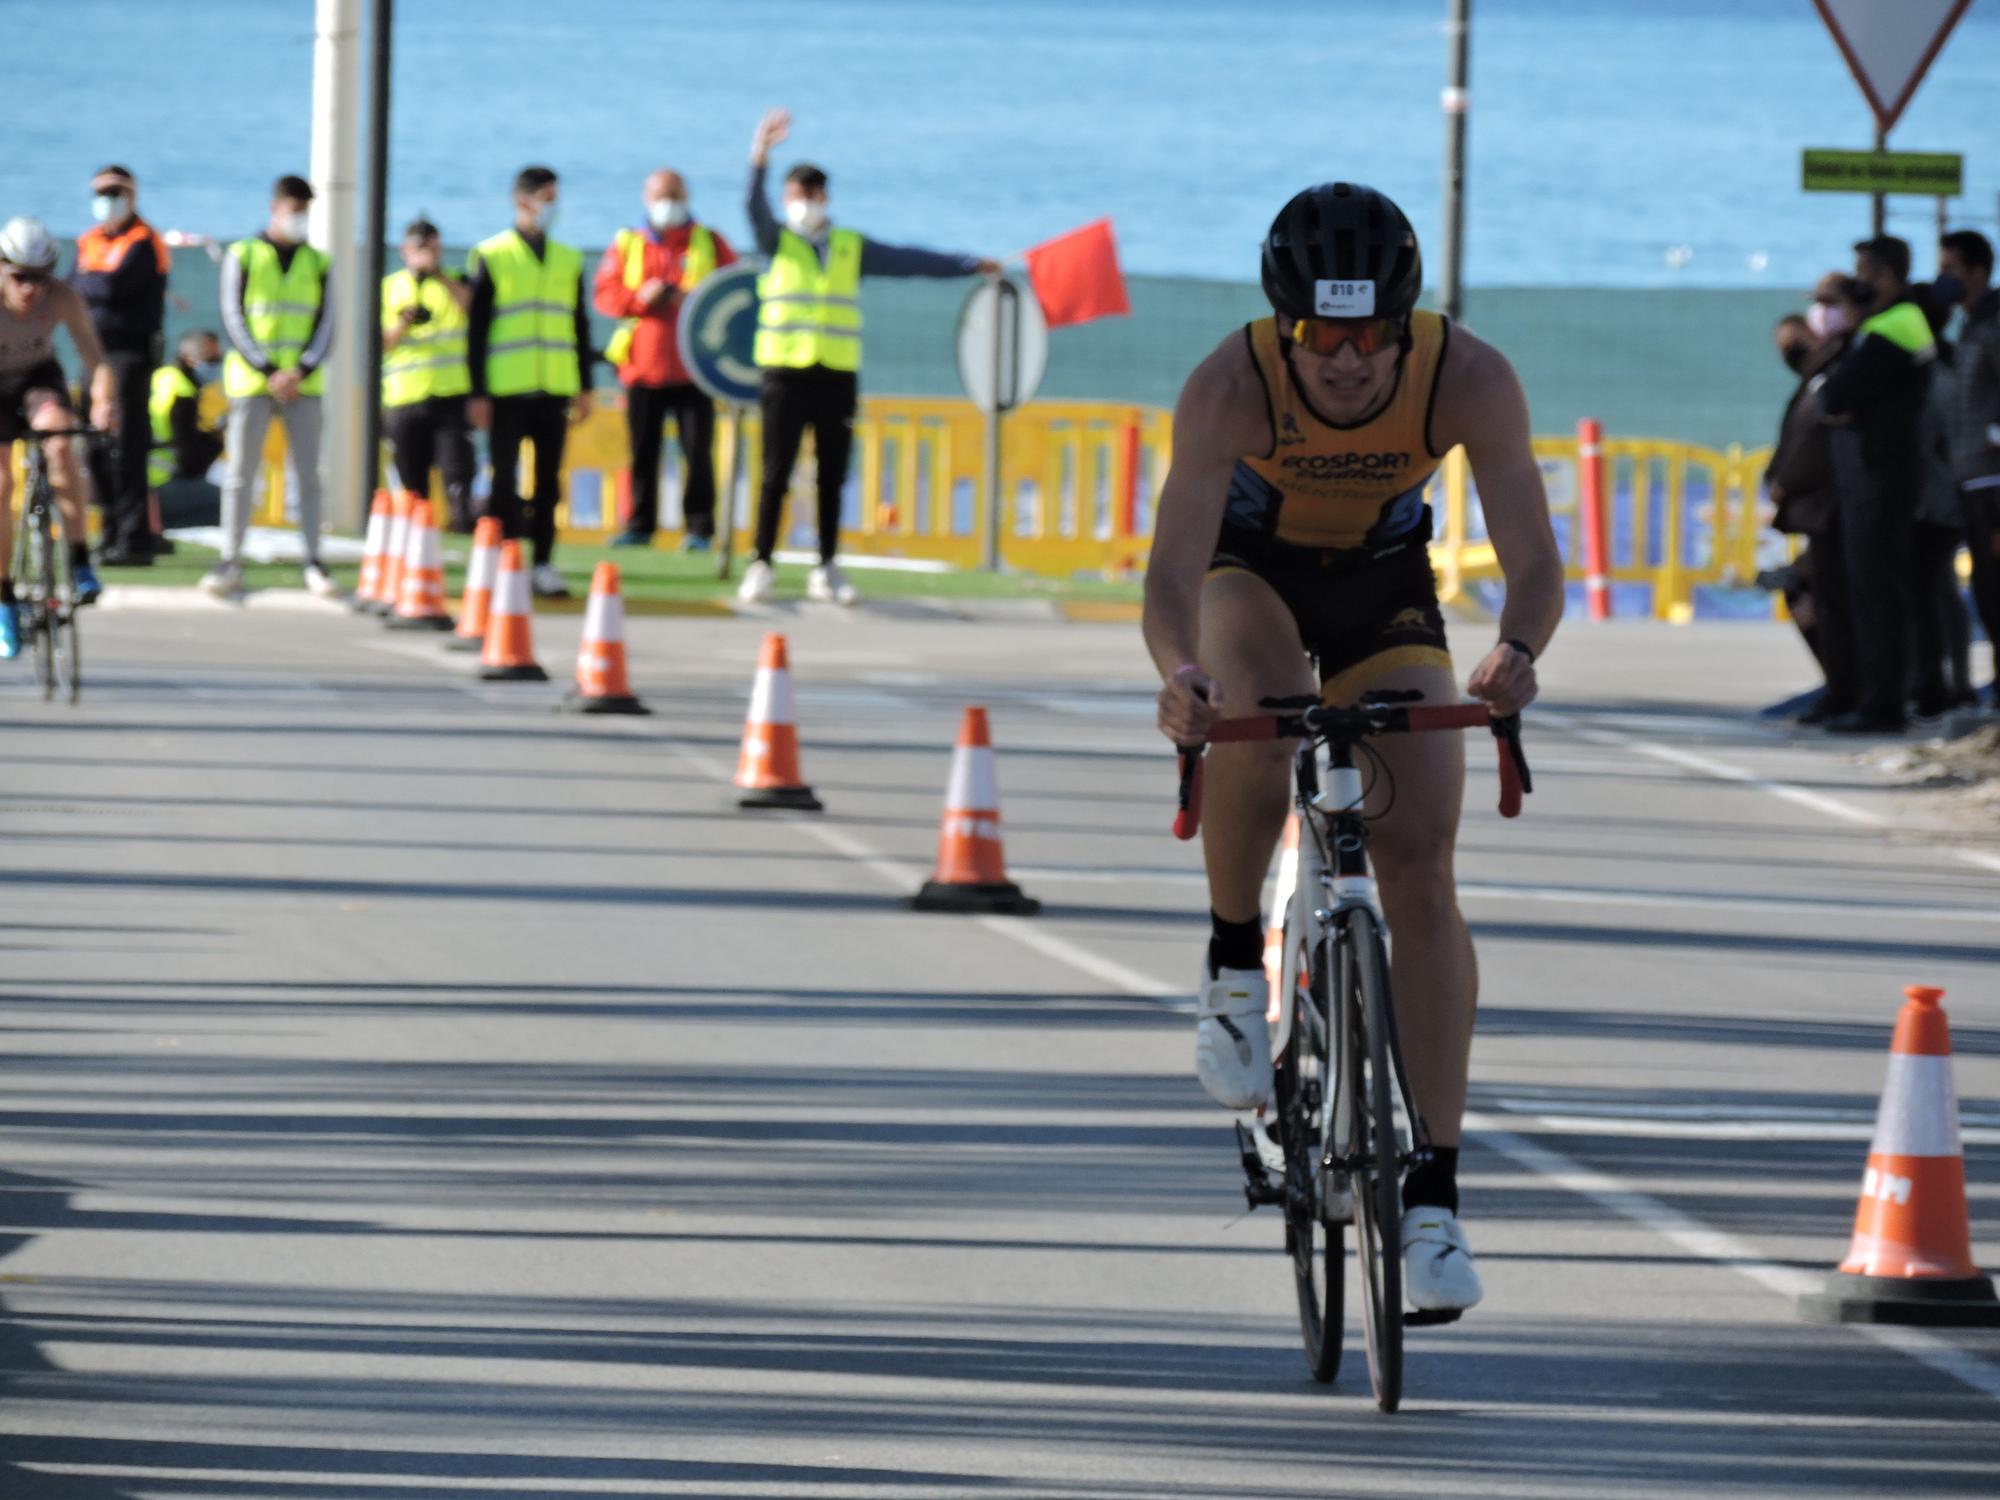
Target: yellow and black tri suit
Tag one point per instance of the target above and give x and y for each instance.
(1334, 516)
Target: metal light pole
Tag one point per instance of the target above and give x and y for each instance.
(381, 27)
(1457, 103)
(336, 103)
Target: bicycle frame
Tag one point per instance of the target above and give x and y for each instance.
(1333, 880)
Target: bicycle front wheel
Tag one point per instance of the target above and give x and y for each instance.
(1370, 1093)
(1301, 1081)
(68, 650)
(39, 570)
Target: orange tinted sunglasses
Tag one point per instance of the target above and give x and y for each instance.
(1326, 335)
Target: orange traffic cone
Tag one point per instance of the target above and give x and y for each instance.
(1281, 900)
(971, 865)
(508, 654)
(420, 598)
(601, 685)
(390, 588)
(1911, 1259)
(374, 547)
(768, 769)
(476, 607)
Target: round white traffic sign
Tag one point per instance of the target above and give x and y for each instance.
(1003, 345)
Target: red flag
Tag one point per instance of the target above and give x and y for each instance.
(1076, 276)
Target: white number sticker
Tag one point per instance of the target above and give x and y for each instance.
(1344, 299)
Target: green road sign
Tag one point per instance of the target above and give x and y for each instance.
(1930, 174)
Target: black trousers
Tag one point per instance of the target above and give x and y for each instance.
(543, 421)
(1833, 615)
(1877, 510)
(1981, 505)
(647, 409)
(121, 487)
(433, 433)
(791, 401)
(1942, 634)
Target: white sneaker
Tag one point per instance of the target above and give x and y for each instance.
(547, 582)
(757, 582)
(1438, 1273)
(319, 582)
(1232, 1040)
(223, 581)
(828, 585)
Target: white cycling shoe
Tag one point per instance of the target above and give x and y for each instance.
(1438, 1273)
(757, 584)
(1232, 1040)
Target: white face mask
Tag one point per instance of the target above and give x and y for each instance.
(107, 206)
(667, 213)
(1826, 319)
(805, 215)
(545, 216)
(295, 227)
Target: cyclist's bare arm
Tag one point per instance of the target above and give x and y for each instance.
(1481, 405)
(1221, 415)
(100, 378)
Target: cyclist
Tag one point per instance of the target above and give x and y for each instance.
(33, 393)
(1293, 520)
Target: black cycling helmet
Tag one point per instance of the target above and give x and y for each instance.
(1341, 231)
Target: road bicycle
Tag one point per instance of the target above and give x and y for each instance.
(45, 593)
(1338, 1080)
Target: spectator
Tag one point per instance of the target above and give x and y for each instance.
(1942, 633)
(1799, 480)
(121, 270)
(1875, 395)
(641, 280)
(530, 356)
(425, 376)
(185, 447)
(1965, 275)
(275, 310)
(809, 348)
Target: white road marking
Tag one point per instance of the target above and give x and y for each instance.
(1725, 1249)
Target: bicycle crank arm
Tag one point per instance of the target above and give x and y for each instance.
(1258, 1189)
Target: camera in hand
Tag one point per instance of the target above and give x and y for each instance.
(417, 315)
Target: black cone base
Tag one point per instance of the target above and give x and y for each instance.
(529, 673)
(576, 703)
(464, 643)
(1961, 1302)
(418, 622)
(999, 896)
(782, 799)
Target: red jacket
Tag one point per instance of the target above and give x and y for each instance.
(656, 357)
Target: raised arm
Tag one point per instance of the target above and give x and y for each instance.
(772, 129)
(1481, 405)
(1220, 417)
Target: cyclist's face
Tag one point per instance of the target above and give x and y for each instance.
(1344, 385)
(22, 291)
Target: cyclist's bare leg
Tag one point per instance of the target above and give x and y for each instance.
(1431, 965)
(1250, 646)
(65, 474)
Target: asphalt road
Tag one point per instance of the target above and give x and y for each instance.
(407, 1091)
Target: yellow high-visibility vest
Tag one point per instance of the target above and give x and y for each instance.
(429, 359)
(531, 347)
(280, 306)
(698, 263)
(808, 313)
(171, 384)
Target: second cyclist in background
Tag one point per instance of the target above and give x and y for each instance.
(34, 393)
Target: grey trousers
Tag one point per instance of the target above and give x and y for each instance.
(244, 433)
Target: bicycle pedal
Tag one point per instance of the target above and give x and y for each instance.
(1432, 1317)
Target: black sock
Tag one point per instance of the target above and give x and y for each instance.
(6, 591)
(1435, 1183)
(1235, 945)
(79, 554)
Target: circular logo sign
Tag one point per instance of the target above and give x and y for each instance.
(718, 334)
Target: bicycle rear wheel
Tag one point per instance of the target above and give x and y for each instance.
(1301, 1081)
(1370, 1094)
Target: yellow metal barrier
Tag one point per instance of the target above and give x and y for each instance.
(1684, 516)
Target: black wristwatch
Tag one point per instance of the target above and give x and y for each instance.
(1520, 646)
